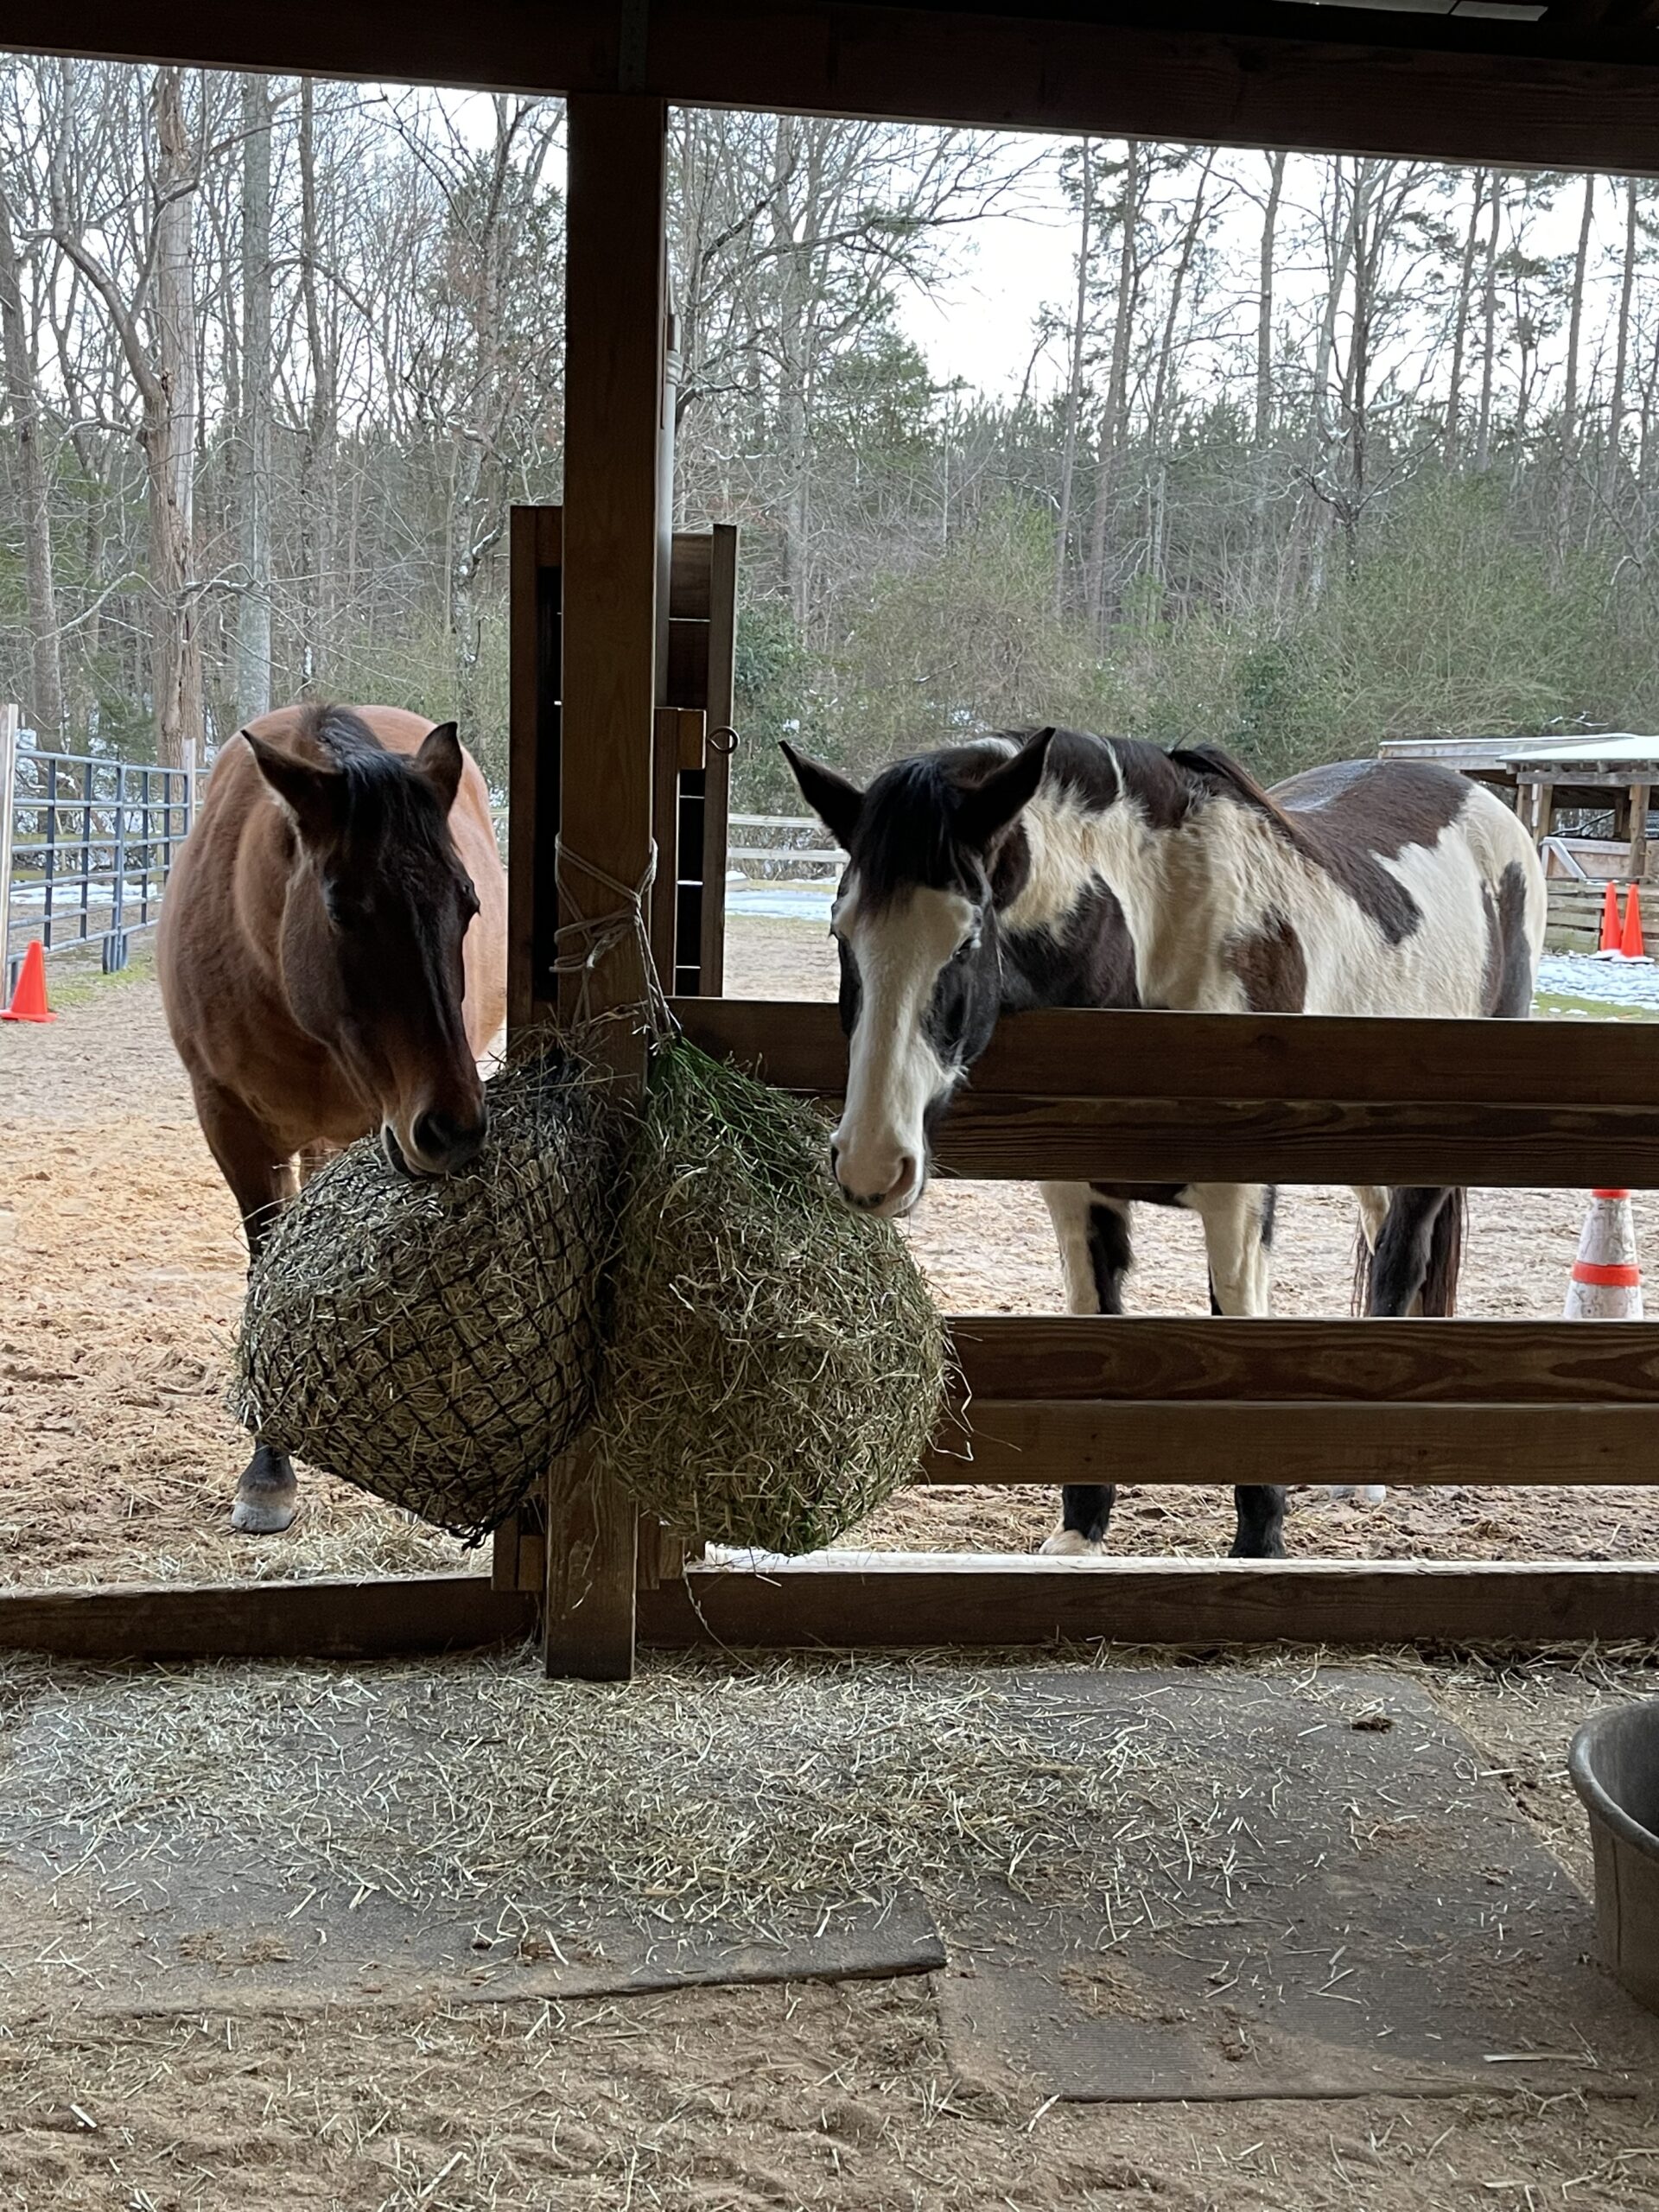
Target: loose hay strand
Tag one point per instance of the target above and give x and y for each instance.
(777, 1366)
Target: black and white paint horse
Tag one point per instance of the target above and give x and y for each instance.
(1064, 870)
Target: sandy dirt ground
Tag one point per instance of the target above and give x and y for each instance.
(120, 1280)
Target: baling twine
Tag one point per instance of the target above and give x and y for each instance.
(585, 940)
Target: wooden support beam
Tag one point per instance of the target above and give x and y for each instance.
(615, 185)
(906, 1601)
(1640, 799)
(333, 1617)
(1406, 85)
(537, 546)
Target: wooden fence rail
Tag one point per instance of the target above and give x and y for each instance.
(1241, 1099)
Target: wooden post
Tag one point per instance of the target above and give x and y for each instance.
(717, 773)
(613, 408)
(1638, 831)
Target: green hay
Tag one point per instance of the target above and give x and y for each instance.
(437, 1342)
(777, 1366)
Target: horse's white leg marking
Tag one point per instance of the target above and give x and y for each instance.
(1241, 1265)
(1069, 1205)
(1373, 1198)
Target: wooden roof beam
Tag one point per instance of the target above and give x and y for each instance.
(1556, 93)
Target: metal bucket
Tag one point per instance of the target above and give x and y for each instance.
(1614, 1764)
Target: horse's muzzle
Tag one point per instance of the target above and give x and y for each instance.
(438, 1145)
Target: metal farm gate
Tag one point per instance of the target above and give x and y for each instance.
(86, 844)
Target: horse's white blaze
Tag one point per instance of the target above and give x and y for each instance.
(893, 1073)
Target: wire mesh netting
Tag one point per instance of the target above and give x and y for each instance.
(438, 1342)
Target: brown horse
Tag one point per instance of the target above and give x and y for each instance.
(332, 961)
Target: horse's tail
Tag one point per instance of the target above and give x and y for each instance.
(1445, 1256)
(1441, 1268)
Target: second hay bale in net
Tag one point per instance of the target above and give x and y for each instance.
(439, 1342)
(777, 1365)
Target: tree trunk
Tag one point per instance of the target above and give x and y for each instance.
(1616, 408)
(253, 668)
(1112, 424)
(168, 436)
(317, 447)
(1569, 443)
(1262, 429)
(1074, 384)
(1489, 333)
(1341, 239)
(1163, 377)
(1460, 326)
(23, 392)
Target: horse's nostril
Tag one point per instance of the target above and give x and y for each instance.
(444, 1141)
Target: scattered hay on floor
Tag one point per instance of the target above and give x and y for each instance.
(777, 1365)
(437, 1341)
(763, 1797)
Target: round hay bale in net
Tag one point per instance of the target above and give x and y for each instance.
(777, 1365)
(439, 1341)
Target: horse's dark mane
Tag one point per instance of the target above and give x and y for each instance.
(906, 833)
(1219, 767)
(382, 797)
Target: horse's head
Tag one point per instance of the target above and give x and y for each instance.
(915, 921)
(378, 906)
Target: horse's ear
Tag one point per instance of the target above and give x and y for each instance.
(441, 761)
(987, 809)
(313, 795)
(837, 802)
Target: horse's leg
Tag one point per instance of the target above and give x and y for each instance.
(1372, 1201)
(1415, 1262)
(267, 1497)
(1093, 1234)
(1237, 1220)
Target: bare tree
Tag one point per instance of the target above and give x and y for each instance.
(1079, 334)
(1113, 416)
(18, 328)
(253, 654)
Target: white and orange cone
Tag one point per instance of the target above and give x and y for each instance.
(1606, 1283)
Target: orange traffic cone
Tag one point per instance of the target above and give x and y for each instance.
(28, 999)
(1631, 943)
(1606, 1281)
(1612, 934)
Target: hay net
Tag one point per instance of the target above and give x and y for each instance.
(438, 1342)
(776, 1365)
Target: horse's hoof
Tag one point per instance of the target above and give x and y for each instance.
(263, 1516)
(1071, 1543)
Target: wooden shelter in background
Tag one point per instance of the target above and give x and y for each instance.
(1145, 1097)
(1589, 804)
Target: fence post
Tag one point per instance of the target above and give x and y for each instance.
(10, 718)
(115, 945)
